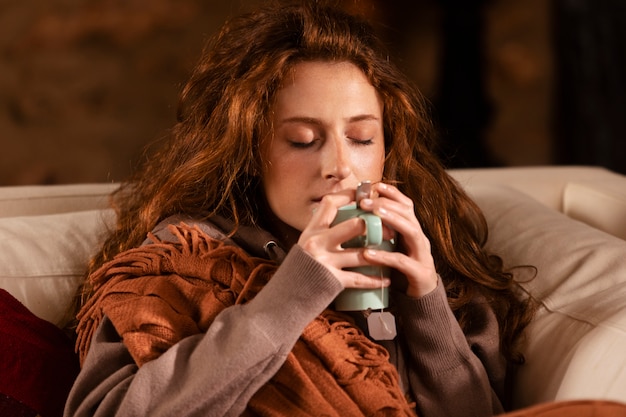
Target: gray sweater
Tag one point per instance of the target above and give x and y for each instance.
(445, 372)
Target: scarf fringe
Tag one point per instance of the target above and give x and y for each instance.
(364, 369)
(192, 250)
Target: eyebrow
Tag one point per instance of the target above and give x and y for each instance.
(314, 121)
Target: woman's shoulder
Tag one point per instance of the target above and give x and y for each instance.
(255, 240)
(164, 231)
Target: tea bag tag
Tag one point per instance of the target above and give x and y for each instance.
(381, 325)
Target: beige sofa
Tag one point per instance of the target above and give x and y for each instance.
(570, 222)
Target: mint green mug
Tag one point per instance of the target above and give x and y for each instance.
(355, 299)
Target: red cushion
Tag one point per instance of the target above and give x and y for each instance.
(37, 360)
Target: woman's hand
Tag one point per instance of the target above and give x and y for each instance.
(413, 258)
(323, 242)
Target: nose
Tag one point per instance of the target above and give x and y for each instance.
(336, 162)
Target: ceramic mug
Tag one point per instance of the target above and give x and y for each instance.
(354, 299)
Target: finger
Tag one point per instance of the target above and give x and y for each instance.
(327, 209)
(391, 199)
(396, 260)
(397, 217)
(347, 230)
(331, 240)
(406, 225)
(391, 210)
(421, 277)
(352, 279)
(391, 192)
(400, 216)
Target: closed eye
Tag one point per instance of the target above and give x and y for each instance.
(363, 142)
(302, 145)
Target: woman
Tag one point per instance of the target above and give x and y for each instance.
(225, 308)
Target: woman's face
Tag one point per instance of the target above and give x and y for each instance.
(327, 136)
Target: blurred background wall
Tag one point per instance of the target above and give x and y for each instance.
(85, 85)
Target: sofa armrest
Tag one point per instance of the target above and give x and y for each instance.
(575, 346)
(545, 184)
(593, 195)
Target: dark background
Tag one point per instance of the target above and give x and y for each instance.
(85, 85)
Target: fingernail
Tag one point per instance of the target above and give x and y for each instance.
(366, 202)
(371, 252)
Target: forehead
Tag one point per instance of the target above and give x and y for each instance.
(316, 85)
(312, 72)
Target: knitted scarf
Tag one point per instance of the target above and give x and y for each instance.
(159, 293)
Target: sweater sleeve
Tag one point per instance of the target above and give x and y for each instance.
(450, 374)
(211, 374)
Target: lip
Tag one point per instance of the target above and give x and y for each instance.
(336, 189)
(319, 199)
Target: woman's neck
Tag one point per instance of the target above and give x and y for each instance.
(286, 235)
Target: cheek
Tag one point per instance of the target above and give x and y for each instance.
(371, 166)
(282, 171)
(280, 181)
(285, 201)
(381, 164)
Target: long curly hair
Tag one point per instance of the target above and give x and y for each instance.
(210, 164)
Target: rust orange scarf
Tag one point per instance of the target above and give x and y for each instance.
(160, 293)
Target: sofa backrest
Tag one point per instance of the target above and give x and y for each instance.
(33, 200)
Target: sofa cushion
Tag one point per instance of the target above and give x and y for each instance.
(38, 362)
(43, 258)
(575, 346)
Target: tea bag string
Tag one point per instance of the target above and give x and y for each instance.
(382, 295)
